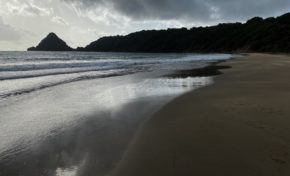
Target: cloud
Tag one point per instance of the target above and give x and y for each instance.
(25, 8)
(59, 20)
(244, 9)
(91, 19)
(198, 10)
(8, 33)
(35, 10)
(150, 9)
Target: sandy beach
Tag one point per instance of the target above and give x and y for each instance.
(239, 126)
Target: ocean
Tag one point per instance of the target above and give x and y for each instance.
(75, 113)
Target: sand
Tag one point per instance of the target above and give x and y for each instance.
(239, 126)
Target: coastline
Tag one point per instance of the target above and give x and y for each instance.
(237, 126)
(69, 119)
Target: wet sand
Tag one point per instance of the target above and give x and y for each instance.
(239, 126)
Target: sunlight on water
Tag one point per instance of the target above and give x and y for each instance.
(65, 106)
(115, 97)
(66, 172)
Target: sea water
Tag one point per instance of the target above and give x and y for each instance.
(74, 113)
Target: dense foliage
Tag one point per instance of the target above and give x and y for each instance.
(257, 34)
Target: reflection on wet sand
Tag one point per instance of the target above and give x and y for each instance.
(82, 129)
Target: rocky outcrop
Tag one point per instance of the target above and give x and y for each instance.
(51, 43)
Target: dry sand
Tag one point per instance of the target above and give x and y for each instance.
(240, 126)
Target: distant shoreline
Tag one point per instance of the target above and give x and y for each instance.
(238, 126)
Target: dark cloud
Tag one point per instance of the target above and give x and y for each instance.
(199, 10)
(243, 9)
(163, 9)
(8, 33)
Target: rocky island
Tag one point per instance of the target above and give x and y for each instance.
(51, 43)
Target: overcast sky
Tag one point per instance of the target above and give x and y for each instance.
(23, 23)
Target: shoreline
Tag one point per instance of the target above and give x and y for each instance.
(237, 126)
(84, 127)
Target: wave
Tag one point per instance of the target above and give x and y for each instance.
(29, 72)
(38, 87)
(41, 73)
(40, 64)
(47, 66)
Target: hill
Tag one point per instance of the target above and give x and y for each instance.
(256, 35)
(51, 43)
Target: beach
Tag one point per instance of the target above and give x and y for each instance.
(75, 113)
(237, 126)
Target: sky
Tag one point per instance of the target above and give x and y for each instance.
(23, 23)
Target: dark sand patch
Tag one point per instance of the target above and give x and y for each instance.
(239, 126)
